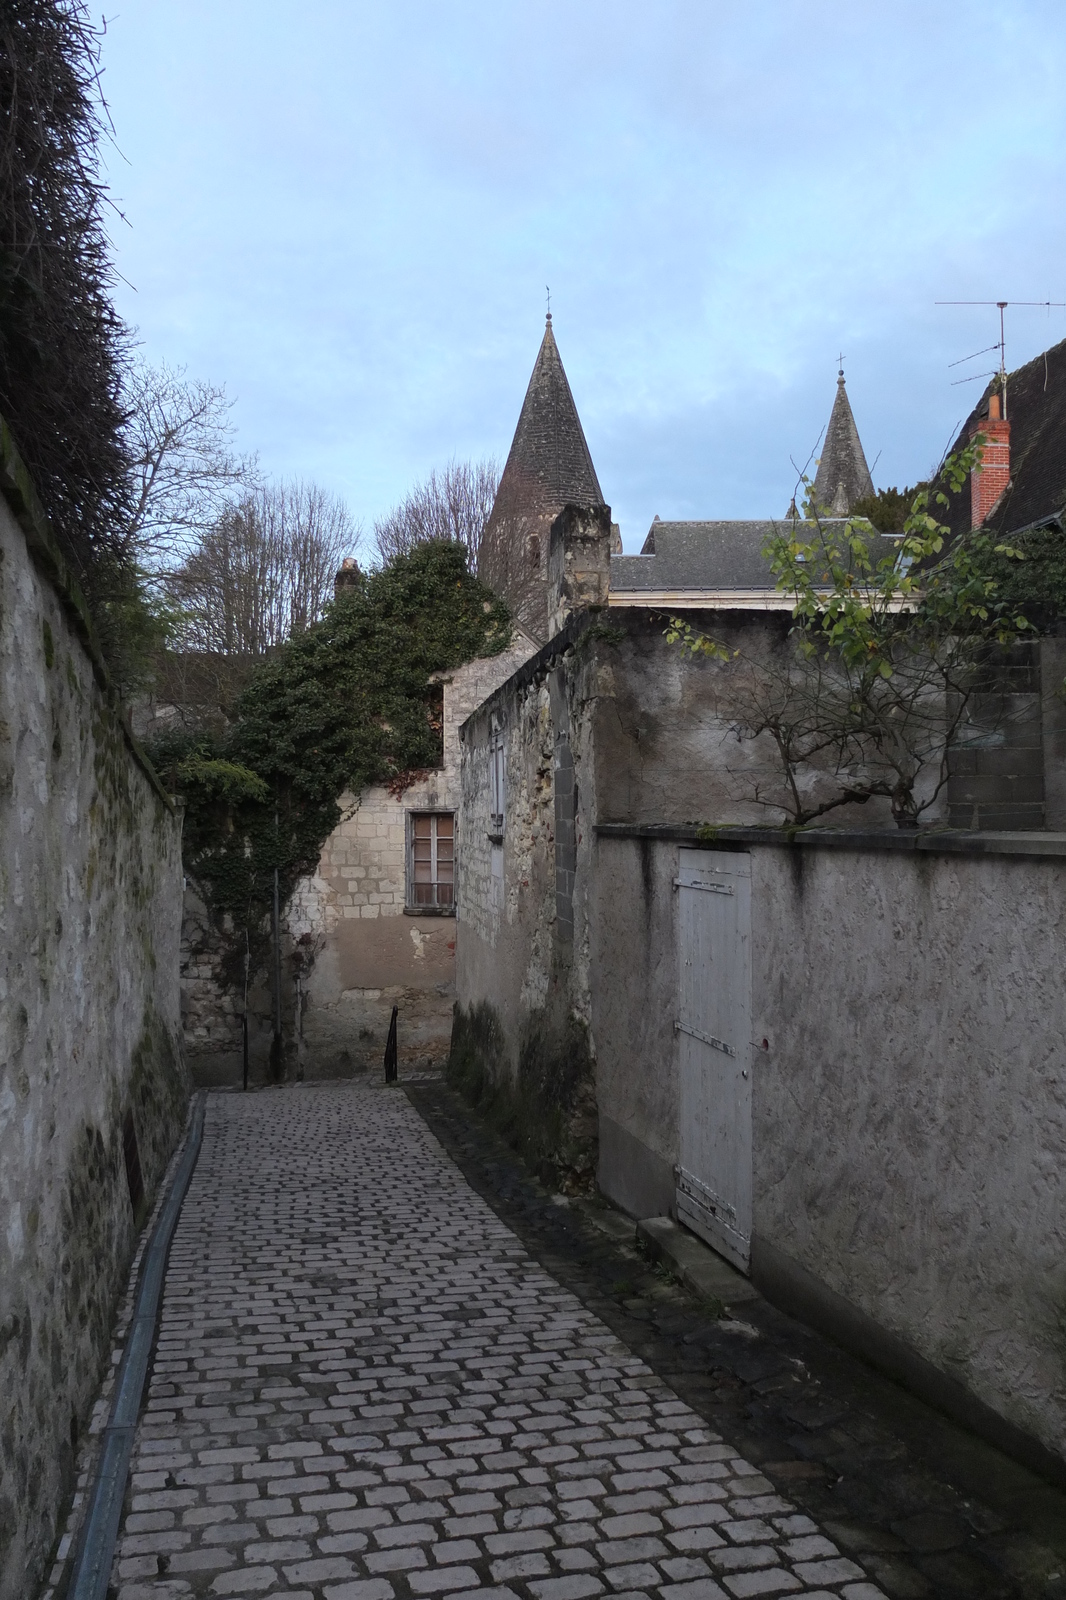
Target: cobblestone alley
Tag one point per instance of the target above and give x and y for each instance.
(366, 1387)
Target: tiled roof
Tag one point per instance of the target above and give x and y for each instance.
(707, 558)
(549, 465)
(843, 476)
(1036, 411)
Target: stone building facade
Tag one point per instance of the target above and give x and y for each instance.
(376, 922)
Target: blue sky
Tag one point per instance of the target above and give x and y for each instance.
(347, 213)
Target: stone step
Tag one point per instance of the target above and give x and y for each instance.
(699, 1267)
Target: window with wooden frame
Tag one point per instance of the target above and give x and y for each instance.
(431, 861)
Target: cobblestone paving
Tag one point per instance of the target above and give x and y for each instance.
(366, 1388)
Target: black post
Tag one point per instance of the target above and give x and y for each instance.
(390, 1050)
(276, 1058)
(299, 1028)
(276, 919)
(244, 1014)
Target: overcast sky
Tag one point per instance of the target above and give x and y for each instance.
(347, 214)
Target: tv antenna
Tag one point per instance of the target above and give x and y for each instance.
(1001, 345)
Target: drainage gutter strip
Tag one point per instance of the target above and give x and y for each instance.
(96, 1545)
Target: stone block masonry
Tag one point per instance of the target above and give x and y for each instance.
(366, 1389)
(92, 1090)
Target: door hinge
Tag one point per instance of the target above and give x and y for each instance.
(705, 1038)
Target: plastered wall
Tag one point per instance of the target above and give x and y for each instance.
(90, 908)
(909, 1137)
(909, 1116)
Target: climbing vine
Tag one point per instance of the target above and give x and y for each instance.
(343, 705)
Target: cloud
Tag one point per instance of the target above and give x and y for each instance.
(350, 219)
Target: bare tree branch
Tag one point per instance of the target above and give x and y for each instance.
(185, 472)
(263, 570)
(453, 504)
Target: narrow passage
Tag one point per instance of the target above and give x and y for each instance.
(366, 1388)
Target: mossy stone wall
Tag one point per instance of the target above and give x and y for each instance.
(90, 913)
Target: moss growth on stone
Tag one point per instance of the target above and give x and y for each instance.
(546, 1110)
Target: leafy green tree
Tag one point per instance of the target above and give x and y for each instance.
(873, 683)
(342, 705)
(887, 509)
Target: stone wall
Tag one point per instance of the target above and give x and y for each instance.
(1009, 767)
(90, 905)
(523, 1021)
(607, 723)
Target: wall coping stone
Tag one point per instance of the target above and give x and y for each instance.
(18, 490)
(934, 841)
(537, 666)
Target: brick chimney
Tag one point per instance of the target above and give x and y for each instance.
(988, 481)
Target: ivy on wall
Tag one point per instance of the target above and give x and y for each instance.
(346, 704)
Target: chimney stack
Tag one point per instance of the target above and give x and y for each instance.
(579, 562)
(348, 578)
(990, 479)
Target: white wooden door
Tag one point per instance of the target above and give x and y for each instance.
(714, 1032)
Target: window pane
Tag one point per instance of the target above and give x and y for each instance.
(432, 860)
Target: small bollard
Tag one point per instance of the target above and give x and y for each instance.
(390, 1050)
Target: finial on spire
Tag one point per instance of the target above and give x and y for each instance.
(549, 317)
(840, 367)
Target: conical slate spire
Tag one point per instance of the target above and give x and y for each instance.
(549, 463)
(843, 476)
(549, 467)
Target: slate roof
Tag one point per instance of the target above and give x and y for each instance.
(708, 558)
(843, 476)
(549, 465)
(1036, 411)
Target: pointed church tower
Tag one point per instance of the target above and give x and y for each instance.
(843, 476)
(549, 467)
